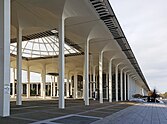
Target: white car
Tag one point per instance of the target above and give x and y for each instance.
(137, 100)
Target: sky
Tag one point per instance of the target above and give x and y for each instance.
(144, 23)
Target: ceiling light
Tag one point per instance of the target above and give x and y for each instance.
(54, 31)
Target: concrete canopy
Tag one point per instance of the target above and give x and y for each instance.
(82, 23)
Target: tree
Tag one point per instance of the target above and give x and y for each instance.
(165, 95)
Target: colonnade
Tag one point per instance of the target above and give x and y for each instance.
(121, 82)
(5, 67)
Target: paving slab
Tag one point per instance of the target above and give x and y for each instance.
(146, 113)
(47, 112)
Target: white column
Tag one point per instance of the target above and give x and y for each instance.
(94, 78)
(61, 63)
(101, 77)
(116, 82)
(86, 70)
(128, 88)
(13, 85)
(121, 86)
(57, 88)
(28, 82)
(142, 91)
(106, 85)
(67, 86)
(75, 86)
(5, 58)
(48, 88)
(70, 86)
(21, 88)
(43, 85)
(54, 89)
(51, 87)
(91, 88)
(96, 81)
(110, 81)
(19, 66)
(125, 82)
(84, 82)
(90, 79)
(37, 89)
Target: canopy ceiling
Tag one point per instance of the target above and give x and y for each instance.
(84, 19)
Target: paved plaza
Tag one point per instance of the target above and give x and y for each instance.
(47, 112)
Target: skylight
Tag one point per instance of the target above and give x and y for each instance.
(42, 47)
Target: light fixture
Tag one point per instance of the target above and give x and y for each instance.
(54, 31)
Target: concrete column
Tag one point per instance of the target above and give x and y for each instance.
(48, 88)
(67, 86)
(94, 78)
(21, 88)
(96, 81)
(121, 86)
(128, 88)
(116, 81)
(28, 82)
(61, 63)
(75, 85)
(37, 89)
(19, 66)
(91, 89)
(54, 89)
(101, 77)
(84, 82)
(57, 88)
(86, 70)
(142, 91)
(43, 86)
(51, 87)
(13, 85)
(110, 81)
(125, 83)
(70, 86)
(106, 85)
(5, 58)
(90, 73)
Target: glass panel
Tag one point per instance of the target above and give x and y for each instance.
(35, 77)
(14, 52)
(44, 41)
(29, 45)
(26, 55)
(40, 40)
(12, 48)
(49, 48)
(66, 46)
(51, 53)
(36, 52)
(24, 43)
(72, 51)
(44, 53)
(66, 52)
(27, 51)
(42, 47)
(35, 41)
(36, 46)
(46, 46)
(35, 56)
